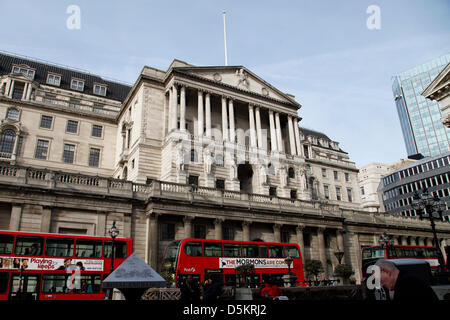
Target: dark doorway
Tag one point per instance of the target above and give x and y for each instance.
(245, 175)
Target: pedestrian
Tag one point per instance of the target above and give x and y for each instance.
(406, 286)
(212, 290)
(190, 290)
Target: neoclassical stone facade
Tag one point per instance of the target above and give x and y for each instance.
(208, 152)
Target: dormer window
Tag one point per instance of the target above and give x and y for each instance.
(53, 79)
(77, 84)
(25, 70)
(100, 89)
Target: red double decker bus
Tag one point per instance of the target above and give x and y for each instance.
(429, 254)
(218, 259)
(44, 266)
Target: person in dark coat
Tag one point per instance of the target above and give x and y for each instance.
(190, 290)
(406, 286)
(212, 290)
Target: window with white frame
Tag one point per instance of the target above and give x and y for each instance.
(97, 131)
(25, 71)
(72, 126)
(53, 79)
(77, 84)
(94, 157)
(41, 149)
(46, 122)
(69, 153)
(100, 89)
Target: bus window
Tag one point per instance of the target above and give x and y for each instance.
(90, 283)
(120, 249)
(213, 249)
(59, 247)
(274, 278)
(89, 248)
(263, 251)
(182, 277)
(31, 246)
(275, 251)
(250, 250)
(6, 243)
(193, 249)
(4, 277)
(291, 251)
(231, 250)
(55, 283)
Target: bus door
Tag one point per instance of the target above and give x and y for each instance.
(24, 286)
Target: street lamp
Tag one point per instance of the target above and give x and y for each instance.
(113, 232)
(425, 204)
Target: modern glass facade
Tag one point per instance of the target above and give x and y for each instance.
(420, 118)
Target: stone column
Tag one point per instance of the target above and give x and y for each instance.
(170, 115)
(291, 136)
(16, 217)
(187, 226)
(200, 114)
(258, 128)
(46, 219)
(100, 228)
(183, 108)
(175, 107)
(231, 115)
(251, 120)
(218, 229)
(297, 137)
(322, 249)
(152, 240)
(421, 241)
(224, 119)
(30, 88)
(277, 232)
(300, 240)
(246, 230)
(278, 130)
(208, 114)
(340, 245)
(127, 225)
(273, 134)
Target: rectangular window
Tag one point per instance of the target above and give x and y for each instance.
(53, 79)
(18, 90)
(275, 252)
(69, 153)
(213, 249)
(6, 243)
(89, 248)
(347, 177)
(120, 249)
(193, 249)
(338, 193)
(228, 233)
(326, 192)
(231, 250)
(220, 184)
(31, 246)
(250, 250)
(77, 85)
(72, 126)
(362, 190)
(273, 191)
(193, 180)
(324, 172)
(46, 122)
(293, 194)
(167, 231)
(94, 157)
(335, 173)
(291, 251)
(41, 149)
(199, 231)
(349, 195)
(100, 90)
(59, 247)
(97, 131)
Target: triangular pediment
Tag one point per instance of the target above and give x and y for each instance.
(240, 78)
(439, 85)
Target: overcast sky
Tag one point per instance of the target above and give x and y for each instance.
(320, 51)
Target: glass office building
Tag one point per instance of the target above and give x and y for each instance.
(420, 118)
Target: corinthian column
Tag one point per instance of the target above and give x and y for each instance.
(224, 119)
(231, 114)
(175, 107)
(200, 114)
(183, 108)
(251, 119)
(208, 114)
(291, 136)
(258, 128)
(278, 129)
(273, 134)
(297, 137)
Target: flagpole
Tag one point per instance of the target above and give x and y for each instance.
(225, 37)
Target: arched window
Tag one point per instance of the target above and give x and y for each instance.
(291, 172)
(7, 141)
(12, 114)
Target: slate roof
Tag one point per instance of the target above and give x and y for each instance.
(134, 273)
(115, 91)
